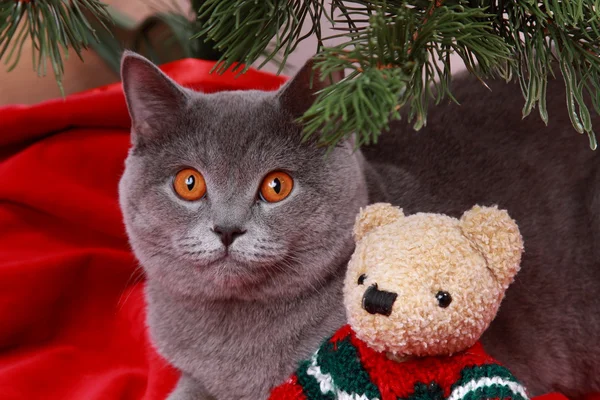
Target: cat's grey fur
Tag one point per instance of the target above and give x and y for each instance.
(237, 326)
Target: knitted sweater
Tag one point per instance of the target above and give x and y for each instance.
(346, 368)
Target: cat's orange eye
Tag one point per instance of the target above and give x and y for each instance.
(189, 184)
(276, 186)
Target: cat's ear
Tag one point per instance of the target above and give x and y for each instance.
(299, 93)
(153, 98)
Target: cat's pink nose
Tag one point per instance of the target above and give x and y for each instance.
(228, 234)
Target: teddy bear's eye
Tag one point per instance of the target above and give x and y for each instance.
(444, 299)
(361, 279)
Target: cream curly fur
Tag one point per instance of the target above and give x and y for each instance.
(497, 237)
(474, 259)
(374, 216)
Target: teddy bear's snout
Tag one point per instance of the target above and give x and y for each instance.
(377, 301)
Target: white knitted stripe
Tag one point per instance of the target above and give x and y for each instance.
(325, 380)
(327, 385)
(461, 391)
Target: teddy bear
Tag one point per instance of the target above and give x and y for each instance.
(419, 292)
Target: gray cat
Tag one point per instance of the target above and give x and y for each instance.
(245, 270)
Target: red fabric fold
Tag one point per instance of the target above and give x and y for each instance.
(72, 311)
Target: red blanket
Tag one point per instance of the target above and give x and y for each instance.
(71, 301)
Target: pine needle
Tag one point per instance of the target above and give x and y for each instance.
(53, 26)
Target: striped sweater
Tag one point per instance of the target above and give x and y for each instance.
(345, 368)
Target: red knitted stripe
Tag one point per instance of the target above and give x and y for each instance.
(290, 390)
(341, 334)
(397, 380)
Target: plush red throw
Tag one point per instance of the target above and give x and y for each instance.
(71, 301)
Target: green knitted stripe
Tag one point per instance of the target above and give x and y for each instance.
(342, 362)
(500, 392)
(484, 371)
(309, 384)
(427, 392)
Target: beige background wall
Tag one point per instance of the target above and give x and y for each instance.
(22, 86)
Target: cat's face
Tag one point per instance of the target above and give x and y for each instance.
(226, 227)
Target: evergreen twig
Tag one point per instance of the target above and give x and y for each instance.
(393, 59)
(244, 29)
(398, 50)
(399, 53)
(53, 26)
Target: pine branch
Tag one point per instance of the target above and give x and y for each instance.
(394, 62)
(399, 52)
(243, 29)
(566, 32)
(52, 26)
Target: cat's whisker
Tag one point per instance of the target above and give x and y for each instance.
(292, 259)
(309, 282)
(193, 253)
(273, 248)
(153, 243)
(185, 245)
(135, 277)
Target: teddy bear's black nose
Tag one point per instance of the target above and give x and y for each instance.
(377, 301)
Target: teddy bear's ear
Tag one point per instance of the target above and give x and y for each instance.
(497, 236)
(374, 216)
